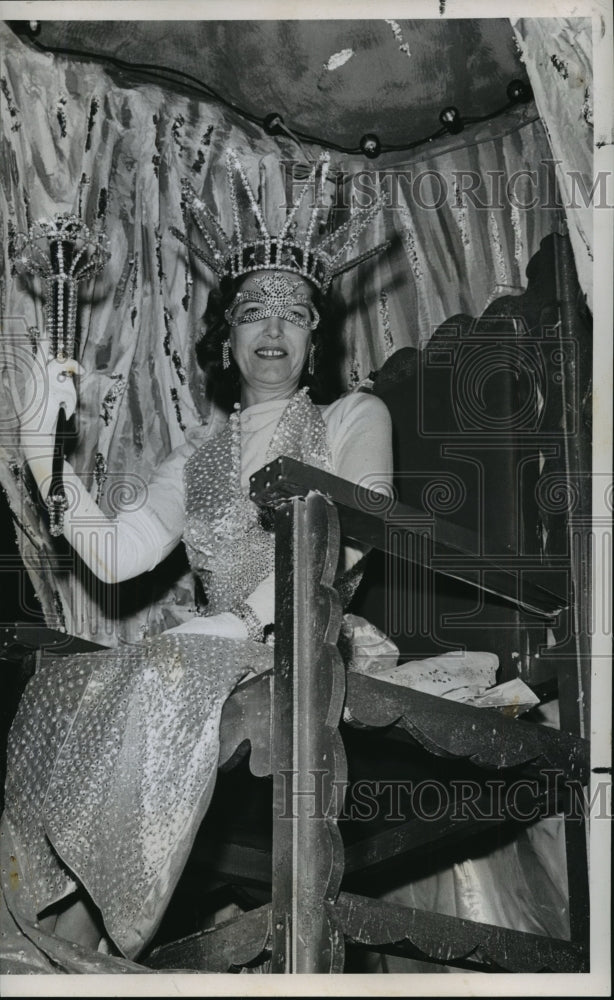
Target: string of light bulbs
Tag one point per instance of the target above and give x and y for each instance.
(452, 121)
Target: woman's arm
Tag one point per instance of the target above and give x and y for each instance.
(360, 433)
(134, 541)
(359, 427)
(117, 548)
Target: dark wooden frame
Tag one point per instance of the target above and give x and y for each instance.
(290, 719)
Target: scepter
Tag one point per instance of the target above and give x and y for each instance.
(64, 252)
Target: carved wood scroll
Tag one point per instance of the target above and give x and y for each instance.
(449, 729)
(235, 943)
(439, 938)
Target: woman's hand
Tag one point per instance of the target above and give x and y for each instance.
(49, 388)
(226, 625)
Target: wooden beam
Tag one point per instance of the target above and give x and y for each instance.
(436, 937)
(234, 943)
(308, 755)
(441, 545)
(449, 729)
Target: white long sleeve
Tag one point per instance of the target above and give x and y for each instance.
(360, 433)
(138, 537)
(117, 548)
(359, 430)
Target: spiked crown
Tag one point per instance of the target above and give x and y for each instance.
(262, 233)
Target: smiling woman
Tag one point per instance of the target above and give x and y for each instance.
(272, 319)
(295, 304)
(126, 718)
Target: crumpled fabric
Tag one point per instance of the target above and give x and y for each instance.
(118, 751)
(459, 675)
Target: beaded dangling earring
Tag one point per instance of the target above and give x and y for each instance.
(226, 354)
(311, 367)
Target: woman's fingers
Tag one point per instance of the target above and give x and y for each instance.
(62, 386)
(68, 367)
(226, 625)
(69, 405)
(54, 390)
(49, 387)
(45, 355)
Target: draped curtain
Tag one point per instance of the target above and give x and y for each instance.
(84, 139)
(559, 64)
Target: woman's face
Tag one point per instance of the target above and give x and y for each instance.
(271, 335)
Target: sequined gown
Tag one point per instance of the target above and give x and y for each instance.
(113, 755)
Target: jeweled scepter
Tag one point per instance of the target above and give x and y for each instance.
(64, 252)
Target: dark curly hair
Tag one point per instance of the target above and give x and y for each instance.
(224, 385)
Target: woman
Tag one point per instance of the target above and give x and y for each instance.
(113, 755)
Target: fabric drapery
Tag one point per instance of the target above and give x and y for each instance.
(96, 789)
(85, 139)
(559, 64)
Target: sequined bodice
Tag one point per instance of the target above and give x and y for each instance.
(228, 545)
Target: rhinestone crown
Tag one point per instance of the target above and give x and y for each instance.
(254, 244)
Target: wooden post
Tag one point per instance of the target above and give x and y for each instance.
(309, 766)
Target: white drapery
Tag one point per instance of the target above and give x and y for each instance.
(558, 54)
(80, 138)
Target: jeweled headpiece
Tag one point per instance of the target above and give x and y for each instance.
(301, 242)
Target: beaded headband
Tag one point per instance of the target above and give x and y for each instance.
(253, 244)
